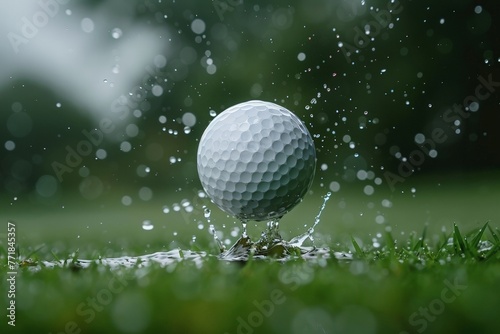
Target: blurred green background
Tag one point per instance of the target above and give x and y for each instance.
(128, 88)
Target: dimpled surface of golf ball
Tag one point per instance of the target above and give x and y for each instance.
(256, 160)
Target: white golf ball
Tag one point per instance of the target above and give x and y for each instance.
(256, 160)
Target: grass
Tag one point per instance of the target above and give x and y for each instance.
(423, 283)
(408, 275)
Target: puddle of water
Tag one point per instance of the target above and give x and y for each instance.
(162, 258)
(270, 245)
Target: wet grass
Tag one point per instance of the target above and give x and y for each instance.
(433, 266)
(432, 283)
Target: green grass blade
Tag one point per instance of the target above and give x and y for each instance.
(391, 244)
(54, 255)
(74, 258)
(458, 240)
(494, 234)
(441, 248)
(477, 238)
(494, 250)
(390, 240)
(474, 242)
(35, 251)
(420, 243)
(358, 249)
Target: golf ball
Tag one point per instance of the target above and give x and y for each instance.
(256, 160)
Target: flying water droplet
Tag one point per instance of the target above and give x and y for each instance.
(116, 33)
(147, 225)
(207, 213)
(244, 229)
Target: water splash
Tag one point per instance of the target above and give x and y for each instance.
(244, 229)
(218, 242)
(272, 245)
(163, 259)
(298, 241)
(269, 245)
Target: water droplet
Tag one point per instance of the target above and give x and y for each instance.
(147, 225)
(379, 219)
(419, 138)
(368, 190)
(334, 186)
(87, 25)
(126, 200)
(198, 26)
(244, 229)
(433, 153)
(116, 33)
(10, 145)
(145, 193)
(235, 231)
(125, 146)
(386, 203)
(207, 213)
